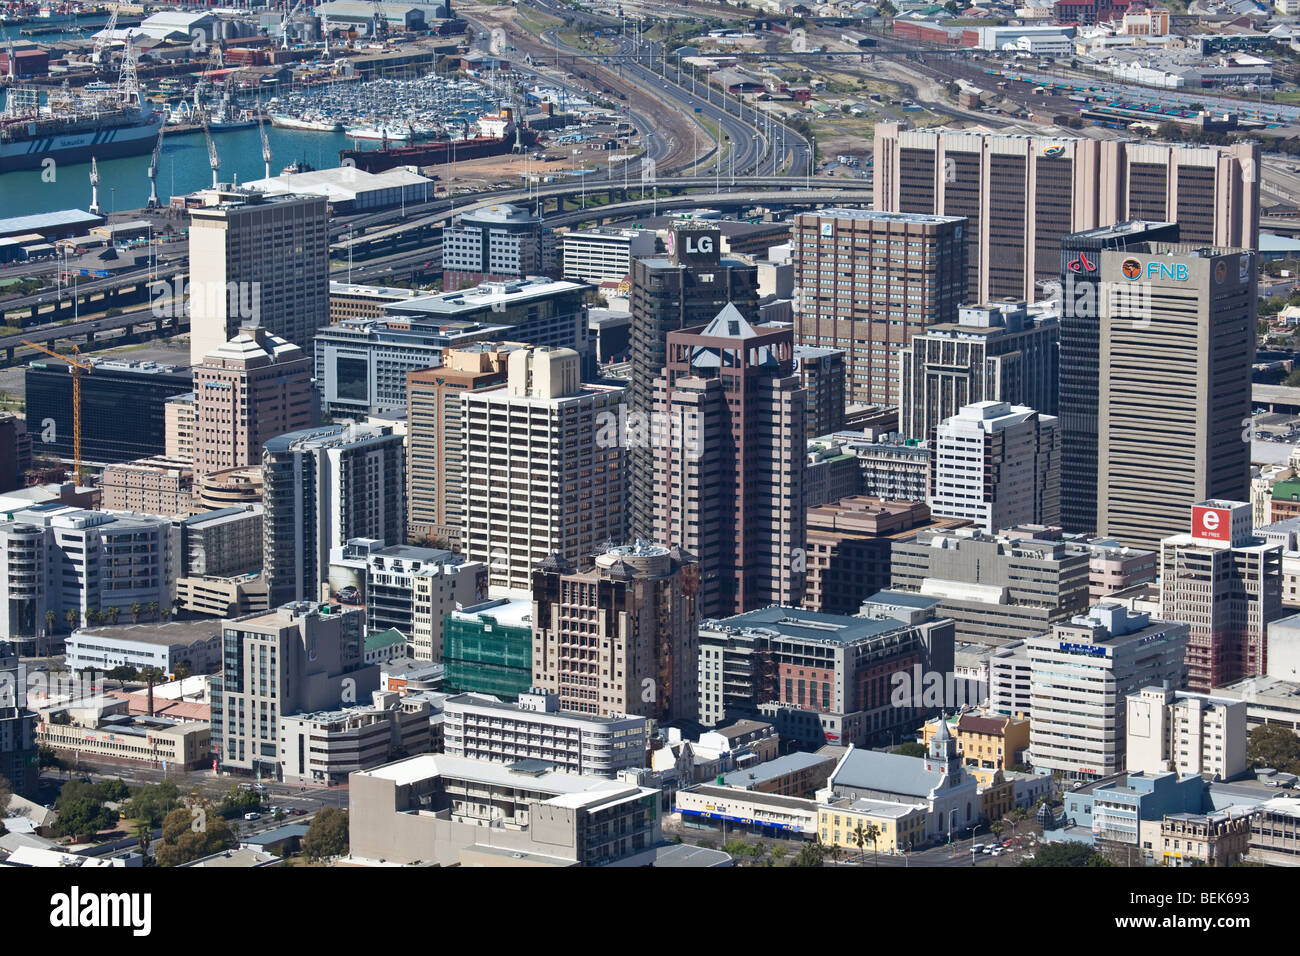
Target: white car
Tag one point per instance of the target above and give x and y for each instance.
(977, 848)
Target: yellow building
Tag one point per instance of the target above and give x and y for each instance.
(997, 794)
(901, 826)
(992, 741)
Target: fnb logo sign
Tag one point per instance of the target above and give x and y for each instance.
(1162, 271)
(1213, 523)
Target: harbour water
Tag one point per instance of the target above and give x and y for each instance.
(183, 168)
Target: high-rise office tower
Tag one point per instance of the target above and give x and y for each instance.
(729, 462)
(681, 290)
(1080, 359)
(821, 372)
(1177, 345)
(1000, 352)
(323, 486)
(543, 466)
(497, 243)
(435, 437)
(257, 257)
(621, 637)
(996, 465)
(1023, 194)
(868, 281)
(1226, 585)
(249, 390)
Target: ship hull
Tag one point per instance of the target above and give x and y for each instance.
(74, 148)
(431, 154)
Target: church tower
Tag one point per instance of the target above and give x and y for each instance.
(943, 753)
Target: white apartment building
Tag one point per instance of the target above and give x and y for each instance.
(61, 559)
(323, 747)
(1080, 676)
(543, 467)
(260, 259)
(411, 589)
(485, 728)
(997, 465)
(1010, 680)
(597, 255)
(1191, 733)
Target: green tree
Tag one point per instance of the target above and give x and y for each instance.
(183, 670)
(50, 617)
(911, 749)
(143, 838)
(1067, 854)
(136, 608)
(81, 810)
(191, 833)
(327, 836)
(6, 793)
(1293, 380)
(1272, 745)
(151, 803)
(153, 609)
(996, 827)
(73, 617)
(113, 613)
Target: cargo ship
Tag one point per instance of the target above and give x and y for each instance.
(72, 131)
(443, 151)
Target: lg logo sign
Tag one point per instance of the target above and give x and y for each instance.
(698, 245)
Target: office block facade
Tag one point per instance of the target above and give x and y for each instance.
(411, 590)
(620, 637)
(1022, 194)
(994, 353)
(1177, 346)
(488, 649)
(1187, 732)
(868, 281)
(684, 289)
(322, 487)
(728, 467)
(257, 257)
(496, 243)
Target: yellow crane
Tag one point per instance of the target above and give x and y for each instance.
(77, 368)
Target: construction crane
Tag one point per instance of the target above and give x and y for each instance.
(76, 367)
(153, 170)
(288, 19)
(103, 38)
(213, 159)
(266, 145)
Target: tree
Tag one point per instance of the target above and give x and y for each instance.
(190, 833)
(6, 793)
(81, 808)
(996, 827)
(911, 749)
(135, 612)
(144, 837)
(50, 617)
(1272, 745)
(74, 617)
(1067, 854)
(151, 803)
(1292, 380)
(327, 836)
(153, 609)
(113, 612)
(183, 670)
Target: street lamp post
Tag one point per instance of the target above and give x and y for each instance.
(973, 831)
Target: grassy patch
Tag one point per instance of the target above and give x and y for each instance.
(535, 21)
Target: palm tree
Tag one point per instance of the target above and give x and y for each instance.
(153, 609)
(143, 837)
(50, 617)
(73, 616)
(113, 612)
(873, 834)
(165, 613)
(860, 838)
(136, 608)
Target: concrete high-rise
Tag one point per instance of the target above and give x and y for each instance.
(1080, 359)
(729, 462)
(1226, 585)
(621, 637)
(1023, 194)
(251, 389)
(867, 281)
(1177, 346)
(257, 257)
(999, 352)
(681, 290)
(322, 487)
(996, 465)
(435, 437)
(497, 243)
(543, 467)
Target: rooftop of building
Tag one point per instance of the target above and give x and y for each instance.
(381, 639)
(289, 831)
(329, 436)
(774, 769)
(502, 213)
(484, 296)
(256, 344)
(503, 611)
(796, 622)
(162, 633)
(212, 519)
(758, 799)
(875, 215)
(908, 599)
(886, 773)
(488, 702)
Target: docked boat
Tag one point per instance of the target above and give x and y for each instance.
(71, 129)
(283, 121)
(391, 134)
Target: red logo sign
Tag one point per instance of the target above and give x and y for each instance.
(1213, 523)
(1081, 264)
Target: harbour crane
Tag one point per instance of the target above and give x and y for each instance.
(288, 19)
(266, 145)
(153, 170)
(77, 366)
(94, 187)
(214, 160)
(381, 19)
(103, 38)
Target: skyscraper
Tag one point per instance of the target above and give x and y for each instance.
(621, 637)
(435, 437)
(1080, 360)
(543, 466)
(996, 465)
(257, 257)
(1023, 194)
(1177, 345)
(249, 390)
(729, 462)
(1226, 585)
(322, 487)
(497, 243)
(681, 290)
(867, 281)
(994, 353)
